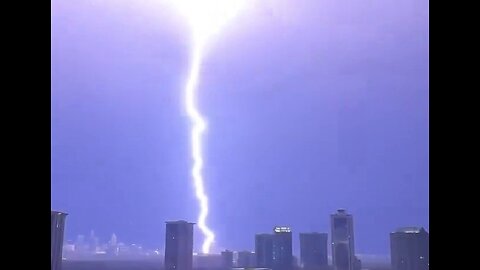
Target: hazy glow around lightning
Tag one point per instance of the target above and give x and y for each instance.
(206, 18)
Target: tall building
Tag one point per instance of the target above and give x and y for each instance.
(113, 240)
(313, 250)
(56, 242)
(282, 258)
(264, 250)
(343, 251)
(227, 259)
(80, 245)
(179, 245)
(246, 259)
(112, 247)
(409, 249)
(92, 242)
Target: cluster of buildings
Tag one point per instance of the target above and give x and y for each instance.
(90, 248)
(272, 250)
(409, 248)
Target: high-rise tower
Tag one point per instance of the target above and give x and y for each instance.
(313, 250)
(343, 250)
(264, 250)
(409, 248)
(282, 248)
(56, 242)
(179, 245)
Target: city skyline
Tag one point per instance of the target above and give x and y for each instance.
(409, 249)
(262, 242)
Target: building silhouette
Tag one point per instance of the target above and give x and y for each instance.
(56, 242)
(409, 249)
(179, 245)
(313, 250)
(343, 251)
(245, 259)
(282, 258)
(227, 259)
(264, 250)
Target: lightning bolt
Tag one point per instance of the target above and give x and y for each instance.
(206, 18)
(198, 128)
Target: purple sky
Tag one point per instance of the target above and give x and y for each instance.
(312, 106)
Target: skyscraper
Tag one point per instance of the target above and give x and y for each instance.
(112, 248)
(313, 250)
(56, 242)
(227, 259)
(92, 242)
(343, 251)
(246, 259)
(282, 258)
(264, 250)
(179, 245)
(409, 249)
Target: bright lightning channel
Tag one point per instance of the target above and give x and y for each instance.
(206, 18)
(197, 130)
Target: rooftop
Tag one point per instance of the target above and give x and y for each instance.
(179, 222)
(410, 230)
(58, 213)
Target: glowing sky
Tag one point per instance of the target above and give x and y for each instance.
(311, 105)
